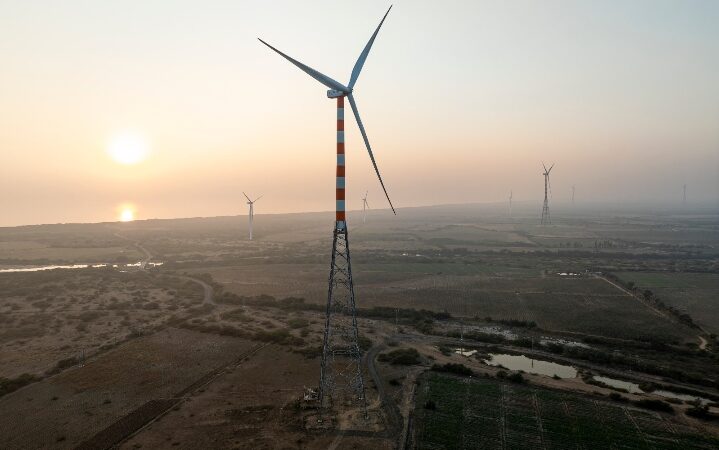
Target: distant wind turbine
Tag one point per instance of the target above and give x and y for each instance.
(252, 210)
(547, 189)
(365, 207)
(510, 203)
(572, 194)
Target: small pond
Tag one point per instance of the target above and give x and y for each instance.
(535, 366)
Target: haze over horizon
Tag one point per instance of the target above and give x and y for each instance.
(174, 111)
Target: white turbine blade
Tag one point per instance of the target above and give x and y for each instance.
(248, 198)
(322, 78)
(367, 203)
(363, 56)
(369, 149)
(550, 169)
(258, 198)
(545, 167)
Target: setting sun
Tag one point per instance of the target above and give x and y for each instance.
(127, 215)
(128, 148)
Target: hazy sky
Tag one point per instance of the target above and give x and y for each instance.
(462, 101)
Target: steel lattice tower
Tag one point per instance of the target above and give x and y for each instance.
(341, 370)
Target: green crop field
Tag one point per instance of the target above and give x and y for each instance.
(488, 414)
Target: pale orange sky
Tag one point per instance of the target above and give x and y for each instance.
(462, 100)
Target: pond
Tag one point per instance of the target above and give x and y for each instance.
(633, 388)
(684, 397)
(534, 366)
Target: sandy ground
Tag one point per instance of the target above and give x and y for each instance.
(64, 410)
(253, 406)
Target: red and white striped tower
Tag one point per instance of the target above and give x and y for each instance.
(340, 185)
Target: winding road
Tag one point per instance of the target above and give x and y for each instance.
(209, 292)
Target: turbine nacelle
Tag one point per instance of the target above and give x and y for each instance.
(333, 93)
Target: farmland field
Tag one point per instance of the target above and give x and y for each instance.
(487, 414)
(568, 304)
(694, 293)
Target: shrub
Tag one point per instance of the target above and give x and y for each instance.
(401, 356)
(700, 412)
(364, 343)
(458, 369)
(515, 377)
(297, 323)
(281, 336)
(310, 352)
(446, 350)
(8, 385)
(655, 405)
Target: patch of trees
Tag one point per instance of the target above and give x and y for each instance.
(479, 336)
(570, 244)
(610, 244)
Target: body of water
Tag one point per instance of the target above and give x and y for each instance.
(633, 388)
(534, 366)
(74, 266)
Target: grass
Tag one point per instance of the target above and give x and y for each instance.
(489, 414)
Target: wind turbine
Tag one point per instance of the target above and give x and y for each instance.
(572, 194)
(252, 210)
(340, 91)
(547, 188)
(510, 203)
(341, 357)
(365, 207)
